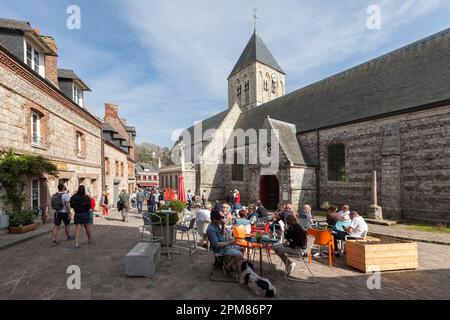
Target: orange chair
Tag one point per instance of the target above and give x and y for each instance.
(323, 238)
(239, 234)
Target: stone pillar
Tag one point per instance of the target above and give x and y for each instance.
(390, 173)
(375, 211)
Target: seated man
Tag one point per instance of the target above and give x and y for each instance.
(219, 243)
(252, 214)
(357, 229)
(343, 219)
(296, 238)
(261, 211)
(306, 218)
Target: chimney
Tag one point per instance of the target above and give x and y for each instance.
(51, 61)
(111, 112)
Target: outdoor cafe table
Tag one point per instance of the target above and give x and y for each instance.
(266, 243)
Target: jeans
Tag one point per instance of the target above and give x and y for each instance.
(140, 206)
(281, 250)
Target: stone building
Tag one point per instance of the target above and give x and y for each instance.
(38, 117)
(119, 153)
(169, 177)
(147, 175)
(391, 115)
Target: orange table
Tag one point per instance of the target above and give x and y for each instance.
(324, 237)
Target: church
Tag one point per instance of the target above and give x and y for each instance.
(390, 115)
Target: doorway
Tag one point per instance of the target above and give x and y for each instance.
(269, 190)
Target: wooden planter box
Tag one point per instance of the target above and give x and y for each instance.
(382, 255)
(24, 229)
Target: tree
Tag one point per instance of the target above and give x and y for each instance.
(13, 168)
(150, 153)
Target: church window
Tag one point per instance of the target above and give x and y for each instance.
(336, 162)
(237, 170)
(266, 85)
(239, 90)
(247, 86)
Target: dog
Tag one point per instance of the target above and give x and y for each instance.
(256, 283)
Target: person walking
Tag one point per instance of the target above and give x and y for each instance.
(91, 213)
(104, 204)
(124, 199)
(61, 204)
(81, 204)
(204, 198)
(140, 199)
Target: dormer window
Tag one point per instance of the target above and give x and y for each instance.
(77, 95)
(34, 59)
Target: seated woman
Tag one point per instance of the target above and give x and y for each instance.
(219, 243)
(296, 239)
(332, 216)
(343, 218)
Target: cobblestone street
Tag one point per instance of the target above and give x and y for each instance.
(35, 270)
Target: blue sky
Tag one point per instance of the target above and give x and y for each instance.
(165, 63)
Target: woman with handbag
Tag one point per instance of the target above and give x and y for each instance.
(104, 205)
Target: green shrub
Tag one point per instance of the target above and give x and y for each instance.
(25, 218)
(174, 218)
(325, 205)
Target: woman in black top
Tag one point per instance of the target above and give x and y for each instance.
(296, 238)
(81, 204)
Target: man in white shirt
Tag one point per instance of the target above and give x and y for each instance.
(358, 228)
(203, 218)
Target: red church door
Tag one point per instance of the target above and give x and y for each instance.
(269, 190)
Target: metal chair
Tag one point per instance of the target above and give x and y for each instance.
(187, 230)
(341, 243)
(301, 255)
(219, 261)
(148, 224)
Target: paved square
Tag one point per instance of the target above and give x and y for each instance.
(35, 270)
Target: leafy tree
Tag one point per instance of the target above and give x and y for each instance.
(150, 153)
(13, 168)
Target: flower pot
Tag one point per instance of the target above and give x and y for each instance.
(23, 229)
(158, 234)
(4, 221)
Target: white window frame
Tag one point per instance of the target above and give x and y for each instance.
(77, 95)
(38, 128)
(38, 193)
(79, 136)
(34, 52)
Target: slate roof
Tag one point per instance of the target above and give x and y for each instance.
(141, 167)
(25, 26)
(70, 74)
(413, 76)
(15, 25)
(289, 143)
(256, 50)
(116, 139)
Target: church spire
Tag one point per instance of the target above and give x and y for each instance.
(255, 18)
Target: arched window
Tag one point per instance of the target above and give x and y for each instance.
(336, 162)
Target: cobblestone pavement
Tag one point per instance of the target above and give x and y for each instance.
(35, 270)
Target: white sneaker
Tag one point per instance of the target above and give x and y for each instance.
(290, 268)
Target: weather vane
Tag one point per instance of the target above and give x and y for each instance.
(255, 17)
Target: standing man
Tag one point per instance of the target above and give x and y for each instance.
(124, 198)
(61, 204)
(204, 198)
(140, 198)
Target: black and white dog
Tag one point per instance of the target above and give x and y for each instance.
(256, 283)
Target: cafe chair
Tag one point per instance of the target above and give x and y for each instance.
(302, 255)
(218, 265)
(323, 238)
(149, 225)
(188, 230)
(240, 234)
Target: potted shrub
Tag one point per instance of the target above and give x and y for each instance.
(175, 208)
(13, 168)
(22, 222)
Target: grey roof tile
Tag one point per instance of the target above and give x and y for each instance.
(70, 74)
(256, 50)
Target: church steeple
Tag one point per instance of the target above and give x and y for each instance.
(257, 77)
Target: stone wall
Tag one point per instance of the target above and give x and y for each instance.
(23, 92)
(413, 180)
(114, 180)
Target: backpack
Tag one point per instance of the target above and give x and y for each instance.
(57, 202)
